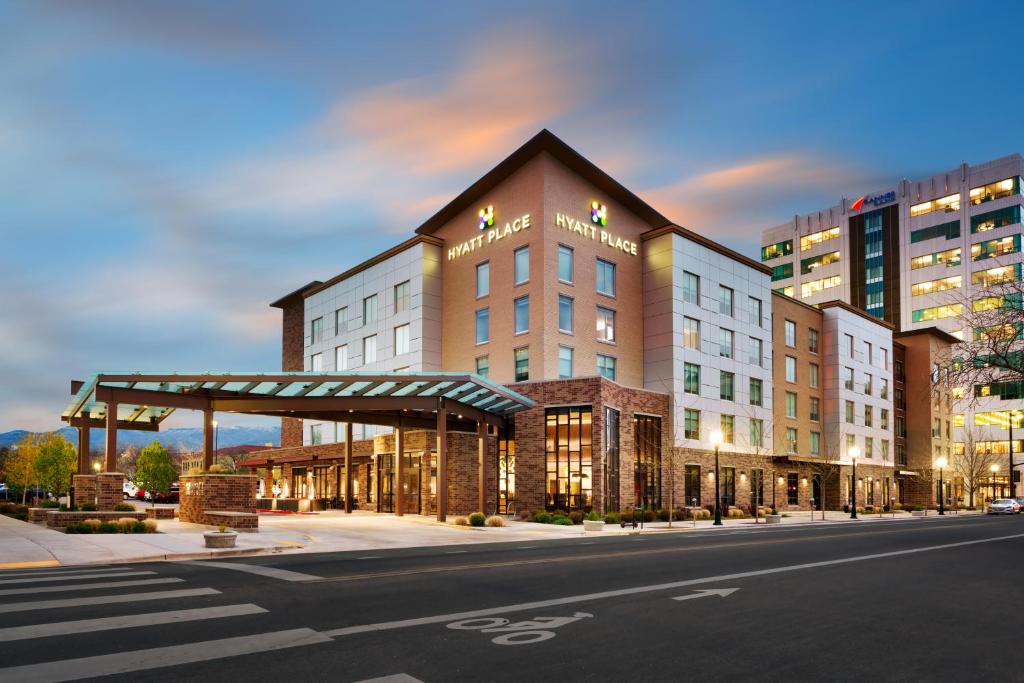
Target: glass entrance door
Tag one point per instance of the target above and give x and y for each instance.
(385, 482)
(411, 483)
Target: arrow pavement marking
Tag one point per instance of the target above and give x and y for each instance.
(708, 592)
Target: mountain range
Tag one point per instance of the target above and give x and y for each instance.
(181, 438)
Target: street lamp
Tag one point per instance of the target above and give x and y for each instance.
(993, 468)
(716, 441)
(853, 453)
(941, 462)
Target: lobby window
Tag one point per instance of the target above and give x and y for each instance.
(850, 410)
(647, 460)
(815, 411)
(791, 369)
(564, 362)
(568, 458)
(370, 349)
(848, 378)
(403, 297)
(565, 263)
(341, 320)
(316, 362)
(605, 277)
(756, 351)
(483, 326)
(691, 378)
(691, 486)
(605, 324)
(691, 288)
(726, 388)
(483, 279)
(606, 366)
(483, 366)
(755, 311)
(728, 425)
(691, 333)
(315, 435)
(812, 379)
(725, 300)
(997, 190)
(611, 459)
(815, 443)
(522, 364)
(791, 440)
(401, 339)
(341, 357)
(812, 340)
(691, 424)
(756, 433)
(948, 203)
(564, 313)
(756, 392)
(522, 264)
(522, 314)
(725, 343)
(316, 330)
(790, 328)
(792, 488)
(791, 405)
(369, 309)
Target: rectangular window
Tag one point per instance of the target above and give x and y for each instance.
(564, 362)
(883, 418)
(792, 488)
(564, 313)
(815, 411)
(726, 390)
(1002, 246)
(756, 433)
(315, 435)
(812, 340)
(370, 349)
(996, 276)
(483, 366)
(812, 263)
(791, 405)
(565, 263)
(869, 416)
(850, 410)
(691, 378)
(937, 312)
(851, 442)
(791, 440)
(568, 463)
(790, 369)
(815, 443)
(869, 447)
(885, 357)
(756, 392)
(756, 311)
(647, 460)
(691, 488)
(997, 190)
(983, 222)
(785, 291)
(868, 380)
(691, 333)
(869, 355)
(522, 361)
(522, 314)
(316, 330)
(950, 231)
(949, 257)
(756, 352)
(940, 285)
(403, 297)
(790, 327)
(401, 339)
(370, 309)
(341, 357)
(691, 288)
(725, 300)
(948, 203)
(884, 390)
(813, 380)
(815, 238)
(316, 362)
(605, 324)
(725, 343)
(781, 272)
(784, 248)
(849, 344)
(483, 326)
(521, 258)
(605, 277)
(848, 379)
(341, 320)
(691, 422)
(606, 366)
(483, 279)
(728, 486)
(728, 424)
(814, 286)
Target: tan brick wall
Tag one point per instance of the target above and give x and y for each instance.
(85, 488)
(58, 520)
(219, 492)
(109, 490)
(806, 318)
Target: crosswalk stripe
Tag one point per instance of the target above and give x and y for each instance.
(43, 579)
(86, 586)
(259, 569)
(157, 657)
(53, 571)
(105, 599)
(64, 628)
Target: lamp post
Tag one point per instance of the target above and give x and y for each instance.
(942, 462)
(993, 468)
(716, 441)
(1010, 470)
(853, 452)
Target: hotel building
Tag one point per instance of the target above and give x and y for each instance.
(914, 255)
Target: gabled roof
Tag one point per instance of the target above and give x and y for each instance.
(544, 141)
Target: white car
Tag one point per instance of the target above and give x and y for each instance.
(129, 489)
(1003, 506)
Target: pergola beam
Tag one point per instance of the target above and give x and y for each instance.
(97, 423)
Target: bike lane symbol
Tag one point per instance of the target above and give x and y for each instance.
(535, 630)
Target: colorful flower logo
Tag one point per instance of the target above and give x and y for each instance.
(598, 213)
(857, 204)
(486, 217)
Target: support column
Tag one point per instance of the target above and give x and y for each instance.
(481, 457)
(83, 450)
(442, 461)
(110, 455)
(400, 455)
(268, 482)
(207, 439)
(348, 467)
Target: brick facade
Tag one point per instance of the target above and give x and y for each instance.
(85, 488)
(201, 493)
(109, 490)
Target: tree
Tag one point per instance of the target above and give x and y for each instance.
(126, 462)
(154, 469)
(55, 462)
(973, 465)
(21, 470)
(825, 468)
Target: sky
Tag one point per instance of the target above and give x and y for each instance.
(168, 169)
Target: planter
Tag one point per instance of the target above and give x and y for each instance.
(593, 525)
(220, 539)
(918, 513)
(773, 519)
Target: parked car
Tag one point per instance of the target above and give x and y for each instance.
(130, 490)
(5, 492)
(172, 497)
(1020, 504)
(1003, 506)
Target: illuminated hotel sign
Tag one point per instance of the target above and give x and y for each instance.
(595, 233)
(874, 200)
(493, 234)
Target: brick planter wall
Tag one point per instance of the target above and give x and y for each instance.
(236, 521)
(58, 520)
(109, 490)
(160, 513)
(37, 515)
(85, 488)
(202, 493)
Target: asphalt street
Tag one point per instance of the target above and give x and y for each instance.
(922, 599)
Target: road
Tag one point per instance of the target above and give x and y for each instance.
(921, 599)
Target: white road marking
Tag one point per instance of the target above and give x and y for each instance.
(370, 557)
(707, 593)
(638, 590)
(393, 678)
(158, 657)
(63, 628)
(86, 586)
(455, 552)
(259, 569)
(526, 547)
(588, 543)
(55, 571)
(105, 599)
(42, 579)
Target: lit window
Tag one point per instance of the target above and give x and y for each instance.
(1000, 218)
(812, 263)
(522, 265)
(932, 286)
(995, 248)
(950, 257)
(996, 276)
(756, 433)
(564, 263)
(791, 445)
(483, 326)
(814, 286)
(728, 424)
(691, 333)
(937, 312)
(522, 314)
(948, 203)
(564, 362)
(808, 241)
(997, 190)
(605, 324)
(784, 248)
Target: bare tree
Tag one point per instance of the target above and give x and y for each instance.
(973, 465)
(825, 468)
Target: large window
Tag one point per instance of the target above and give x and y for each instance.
(605, 277)
(565, 263)
(691, 424)
(812, 263)
(691, 485)
(950, 231)
(691, 378)
(341, 358)
(564, 362)
(522, 363)
(781, 272)
(403, 297)
(691, 288)
(522, 264)
(369, 309)
(996, 276)
(316, 330)
(506, 475)
(937, 312)
(808, 241)
(814, 286)
(756, 392)
(564, 313)
(997, 190)
(611, 459)
(316, 362)
(568, 458)
(522, 314)
(483, 279)
(606, 366)
(725, 343)
(784, 248)
(401, 339)
(370, 349)
(726, 298)
(995, 248)
(483, 326)
(948, 203)
(950, 257)
(726, 389)
(932, 286)
(647, 454)
(983, 222)
(691, 333)
(605, 324)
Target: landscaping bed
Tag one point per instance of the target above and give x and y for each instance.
(57, 519)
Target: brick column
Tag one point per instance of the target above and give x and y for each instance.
(109, 490)
(85, 488)
(400, 467)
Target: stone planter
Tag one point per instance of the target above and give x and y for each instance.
(593, 525)
(918, 513)
(773, 519)
(220, 539)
